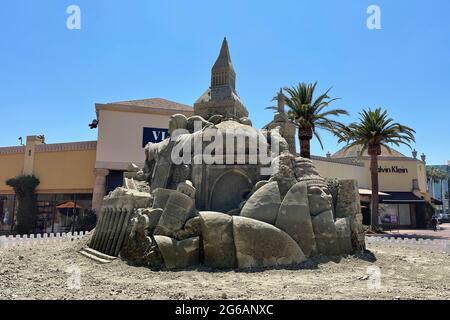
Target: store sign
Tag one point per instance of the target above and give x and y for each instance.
(393, 169)
(154, 135)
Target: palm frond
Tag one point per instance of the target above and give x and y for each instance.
(376, 128)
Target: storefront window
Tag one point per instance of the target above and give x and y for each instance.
(55, 213)
(7, 212)
(63, 212)
(395, 214)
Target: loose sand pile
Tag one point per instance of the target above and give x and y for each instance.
(40, 272)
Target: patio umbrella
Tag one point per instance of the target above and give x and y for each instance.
(67, 208)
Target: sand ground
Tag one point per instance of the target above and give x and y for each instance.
(41, 272)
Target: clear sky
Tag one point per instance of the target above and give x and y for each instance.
(51, 77)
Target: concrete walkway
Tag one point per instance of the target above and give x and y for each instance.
(442, 233)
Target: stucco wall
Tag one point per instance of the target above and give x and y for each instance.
(120, 137)
(388, 181)
(400, 181)
(343, 171)
(391, 181)
(422, 176)
(65, 171)
(10, 166)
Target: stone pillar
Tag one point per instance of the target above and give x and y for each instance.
(28, 160)
(99, 190)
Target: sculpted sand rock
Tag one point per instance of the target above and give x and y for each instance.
(294, 218)
(343, 231)
(348, 199)
(325, 233)
(218, 243)
(178, 254)
(259, 244)
(176, 212)
(264, 204)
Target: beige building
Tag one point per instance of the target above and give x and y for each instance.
(75, 176)
(65, 173)
(402, 184)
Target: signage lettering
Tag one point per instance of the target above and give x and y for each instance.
(393, 169)
(154, 135)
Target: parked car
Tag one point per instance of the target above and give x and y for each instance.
(444, 218)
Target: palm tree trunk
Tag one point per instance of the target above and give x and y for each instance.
(305, 148)
(374, 151)
(304, 137)
(433, 192)
(375, 191)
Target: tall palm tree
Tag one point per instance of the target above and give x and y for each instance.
(374, 130)
(309, 114)
(433, 175)
(442, 177)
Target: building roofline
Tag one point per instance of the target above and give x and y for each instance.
(159, 106)
(52, 147)
(67, 146)
(385, 158)
(347, 161)
(12, 150)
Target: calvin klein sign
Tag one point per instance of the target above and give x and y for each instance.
(393, 169)
(154, 135)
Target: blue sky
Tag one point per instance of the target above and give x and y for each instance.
(51, 77)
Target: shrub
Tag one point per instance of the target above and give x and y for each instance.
(24, 187)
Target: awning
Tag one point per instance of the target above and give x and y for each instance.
(368, 192)
(67, 205)
(401, 197)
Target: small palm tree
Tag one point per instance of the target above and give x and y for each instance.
(375, 129)
(308, 114)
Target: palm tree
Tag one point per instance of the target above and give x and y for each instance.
(374, 130)
(308, 114)
(442, 176)
(433, 175)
